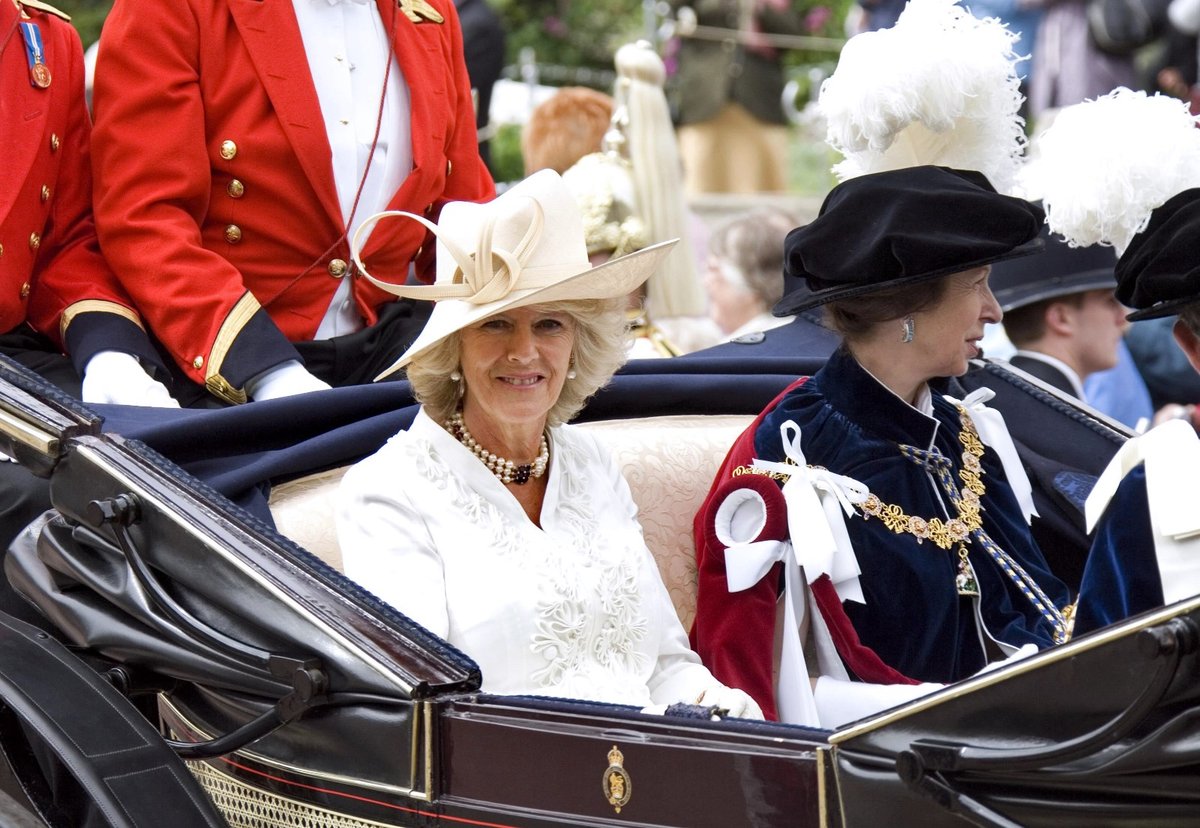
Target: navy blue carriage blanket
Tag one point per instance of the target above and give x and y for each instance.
(240, 451)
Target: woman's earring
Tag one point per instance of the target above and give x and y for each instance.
(455, 376)
(910, 329)
(571, 369)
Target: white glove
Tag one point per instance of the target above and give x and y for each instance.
(1023, 652)
(739, 703)
(117, 377)
(283, 381)
(840, 702)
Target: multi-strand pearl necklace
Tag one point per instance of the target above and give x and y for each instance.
(506, 470)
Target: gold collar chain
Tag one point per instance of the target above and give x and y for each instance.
(957, 529)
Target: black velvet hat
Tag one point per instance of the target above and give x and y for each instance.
(1061, 270)
(895, 228)
(1159, 272)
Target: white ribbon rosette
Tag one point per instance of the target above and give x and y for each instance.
(748, 523)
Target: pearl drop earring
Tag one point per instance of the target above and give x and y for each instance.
(455, 376)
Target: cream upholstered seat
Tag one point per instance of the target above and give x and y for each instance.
(669, 463)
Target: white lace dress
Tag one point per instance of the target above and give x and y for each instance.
(575, 608)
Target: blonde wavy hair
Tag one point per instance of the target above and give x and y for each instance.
(601, 340)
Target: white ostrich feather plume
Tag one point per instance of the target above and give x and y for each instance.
(939, 87)
(1103, 166)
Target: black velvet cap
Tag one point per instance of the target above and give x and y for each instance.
(1159, 272)
(898, 227)
(1061, 270)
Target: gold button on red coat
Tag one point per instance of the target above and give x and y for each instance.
(236, 189)
(35, 241)
(25, 290)
(228, 150)
(233, 234)
(55, 143)
(198, 362)
(45, 194)
(337, 268)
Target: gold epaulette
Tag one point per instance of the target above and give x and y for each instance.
(45, 7)
(418, 11)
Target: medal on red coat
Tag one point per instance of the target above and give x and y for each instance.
(39, 72)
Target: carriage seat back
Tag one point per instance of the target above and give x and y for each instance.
(669, 463)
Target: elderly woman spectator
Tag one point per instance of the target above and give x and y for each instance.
(491, 522)
(745, 258)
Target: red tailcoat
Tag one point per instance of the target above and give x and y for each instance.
(215, 196)
(51, 271)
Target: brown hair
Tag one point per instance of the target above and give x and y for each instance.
(1026, 325)
(565, 127)
(854, 317)
(1191, 317)
(753, 243)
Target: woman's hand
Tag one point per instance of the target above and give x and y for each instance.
(738, 703)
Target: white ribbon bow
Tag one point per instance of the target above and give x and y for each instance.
(745, 565)
(1171, 453)
(814, 498)
(994, 433)
(479, 278)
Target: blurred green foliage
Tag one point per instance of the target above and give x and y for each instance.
(87, 15)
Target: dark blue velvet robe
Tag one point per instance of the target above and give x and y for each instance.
(1121, 577)
(913, 617)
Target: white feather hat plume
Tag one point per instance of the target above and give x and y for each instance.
(1104, 165)
(940, 87)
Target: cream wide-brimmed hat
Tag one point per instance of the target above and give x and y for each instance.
(524, 247)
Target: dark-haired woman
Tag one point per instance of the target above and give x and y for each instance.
(905, 510)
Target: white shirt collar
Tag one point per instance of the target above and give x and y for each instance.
(1067, 370)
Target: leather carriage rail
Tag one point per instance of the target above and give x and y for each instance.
(36, 418)
(929, 765)
(308, 679)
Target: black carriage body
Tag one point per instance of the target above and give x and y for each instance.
(233, 627)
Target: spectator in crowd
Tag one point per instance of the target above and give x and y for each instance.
(1071, 68)
(728, 94)
(237, 149)
(565, 127)
(745, 258)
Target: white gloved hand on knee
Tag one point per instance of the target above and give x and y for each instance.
(284, 380)
(118, 377)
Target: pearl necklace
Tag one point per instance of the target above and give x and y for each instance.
(506, 470)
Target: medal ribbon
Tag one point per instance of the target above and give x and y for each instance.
(39, 74)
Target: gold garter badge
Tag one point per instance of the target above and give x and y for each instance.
(617, 785)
